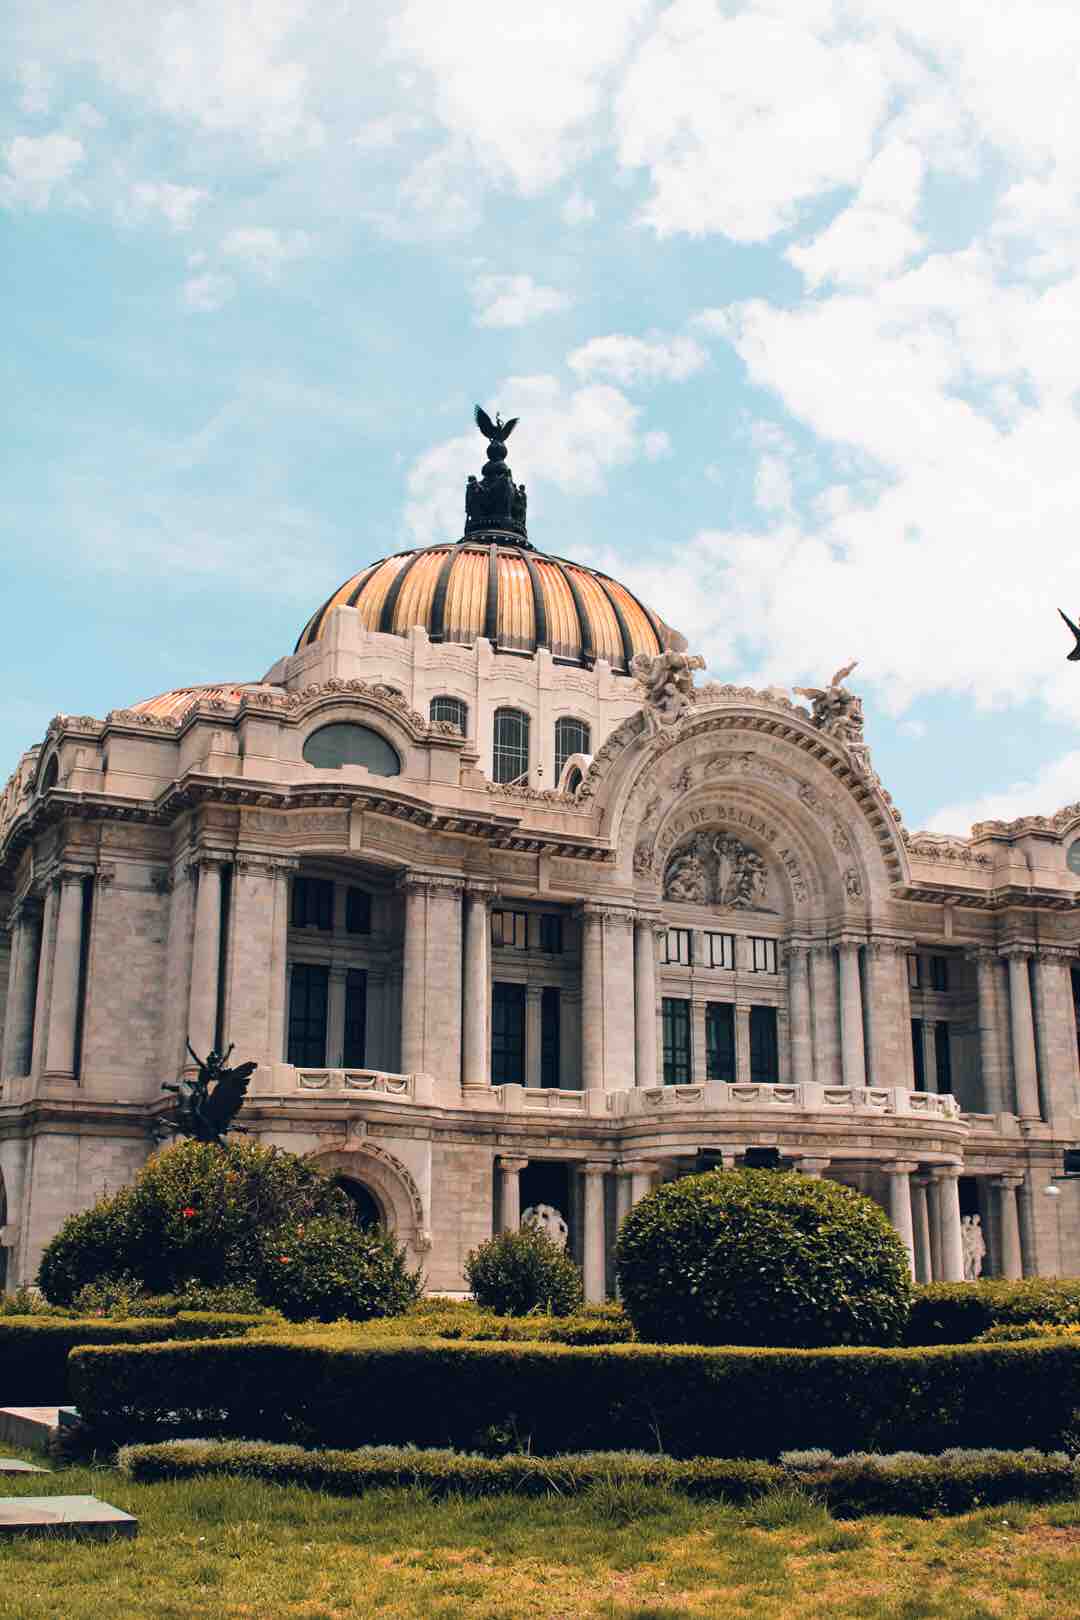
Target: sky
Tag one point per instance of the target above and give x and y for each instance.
(785, 292)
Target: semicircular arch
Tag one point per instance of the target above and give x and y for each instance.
(390, 1183)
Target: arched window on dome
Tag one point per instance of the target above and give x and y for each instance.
(574, 781)
(52, 772)
(450, 709)
(344, 743)
(510, 755)
(571, 737)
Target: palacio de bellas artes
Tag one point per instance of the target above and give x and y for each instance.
(513, 908)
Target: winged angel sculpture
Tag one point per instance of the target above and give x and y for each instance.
(836, 711)
(667, 681)
(494, 501)
(203, 1114)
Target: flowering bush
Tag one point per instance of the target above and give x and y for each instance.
(327, 1268)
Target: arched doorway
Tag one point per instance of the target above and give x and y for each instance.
(367, 1211)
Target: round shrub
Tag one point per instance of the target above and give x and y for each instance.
(195, 1214)
(762, 1257)
(524, 1271)
(328, 1268)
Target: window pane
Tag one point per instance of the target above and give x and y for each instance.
(720, 1040)
(677, 946)
(308, 990)
(347, 744)
(510, 759)
(357, 911)
(551, 934)
(939, 973)
(507, 1034)
(676, 1032)
(549, 1037)
(944, 1057)
(764, 1050)
(918, 1054)
(510, 929)
(722, 950)
(355, 1020)
(451, 709)
(313, 903)
(913, 972)
(763, 956)
(571, 737)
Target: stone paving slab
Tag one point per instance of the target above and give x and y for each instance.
(12, 1465)
(63, 1516)
(33, 1426)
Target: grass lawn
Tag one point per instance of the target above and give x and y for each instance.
(225, 1549)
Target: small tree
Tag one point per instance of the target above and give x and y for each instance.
(762, 1257)
(524, 1271)
(329, 1268)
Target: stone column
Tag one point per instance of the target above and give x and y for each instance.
(991, 1077)
(510, 1192)
(1023, 1034)
(618, 999)
(592, 998)
(413, 987)
(533, 1072)
(824, 1016)
(645, 1018)
(279, 950)
(205, 955)
(60, 1056)
(920, 1214)
(255, 964)
(476, 1038)
(699, 1044)
(431, 993)
(742, 1046)
(802, 1057)
(1055, 1035)
(594, 1245)
(879, 1016)
(898, 1173)
(43, 990)
(906, 1076)
(852, 1049)
(19, 1017)
(1012, 1266)
(812, 1168)
(335, 1016)
(928, 1030)
(641, 1179)
(947, 1179)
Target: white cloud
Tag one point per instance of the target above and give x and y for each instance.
(176, 204)
(264, 250)
(514, 300)
(772, 484)
(37, 165)
(1056, 785)
(206, 293)
(630, 360)
(37, 86)
(875, 235)
(574, 439)
(578, 209)
(656, 445)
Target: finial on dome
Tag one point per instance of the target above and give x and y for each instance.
(493, 502)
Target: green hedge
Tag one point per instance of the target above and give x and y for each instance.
(859, 1484)
(956, 1313)
(34, 1349)
(553, 1398)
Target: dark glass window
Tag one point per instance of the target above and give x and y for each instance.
(571, 737)
(914, 973)
(721, 948)
(510, 757)
(551, 933)
(939, 973)
(676, 1032)
(919, 1054)
(573, 781)
(763, 955)
(357, 911)
(312, 903)
(346, 744)
(943, 1056)
(355, 1043)
(678, 946)
(720, 1040)
(764, 1048)
(451, 709)
(510, 929)
(507, 1034)
(549, 1037)
(308, 992)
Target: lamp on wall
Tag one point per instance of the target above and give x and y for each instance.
(1070, 1172)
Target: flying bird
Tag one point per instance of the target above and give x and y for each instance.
(1074, 656)
(497, 431)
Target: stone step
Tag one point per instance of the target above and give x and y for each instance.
(63, 1516)
(33, 1426)
(12, 1465)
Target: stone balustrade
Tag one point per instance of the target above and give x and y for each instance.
(809, 1097)
(374, 1083)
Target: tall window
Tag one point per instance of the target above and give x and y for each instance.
(549, 1037)
(308, 992)
(943, 1053)
(312, 903)
(764, 1050)
(675, 1020)
(452, 709)
(510, 756)
(510, 929)
(914, 974)
(763, 955)
(551, 933)
(357, 911)
(353, 1052)
(507, 1034)
(939, 973)
(721, 949)
(720, 1040)
(571, 737)
(919, 1054)
(678, 946)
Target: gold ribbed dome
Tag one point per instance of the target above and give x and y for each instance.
(518, 598)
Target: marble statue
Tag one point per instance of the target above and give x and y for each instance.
(550, 1222)
(974, 1246)
(717, 871)
(668, 684)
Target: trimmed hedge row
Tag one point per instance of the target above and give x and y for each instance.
(849, 1486)
(685, 1401)
(34, 1349)
(441, 1319)
(956, 1313)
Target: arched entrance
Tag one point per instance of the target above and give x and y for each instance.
(367, 1210)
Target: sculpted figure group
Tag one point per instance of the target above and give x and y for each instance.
(717, 869)
(667, 682)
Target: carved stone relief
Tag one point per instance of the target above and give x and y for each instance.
(717, 869)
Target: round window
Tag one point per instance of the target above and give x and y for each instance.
(1072, 859)
(345, 744)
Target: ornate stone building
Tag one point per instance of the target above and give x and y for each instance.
(509, 913)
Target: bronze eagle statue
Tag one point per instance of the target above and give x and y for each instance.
(203, 1114)
(496, 432)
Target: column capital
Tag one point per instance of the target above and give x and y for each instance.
(208, 859)
(267, 861)
(820, 947)
(69, 874)
(512, 1163)
(946, 1172)
(808, 1164)
(1016, 951)
(847, 944)
(593, 1167)
(795, 950)
(481, 889)
(900, 1167)
(1065, 954)
(430, 883)
(981, 955)
(635, 1167)
(890, 947)
(1009, 1179)
(601, 910)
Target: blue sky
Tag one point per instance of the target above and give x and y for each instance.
(786, 293)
